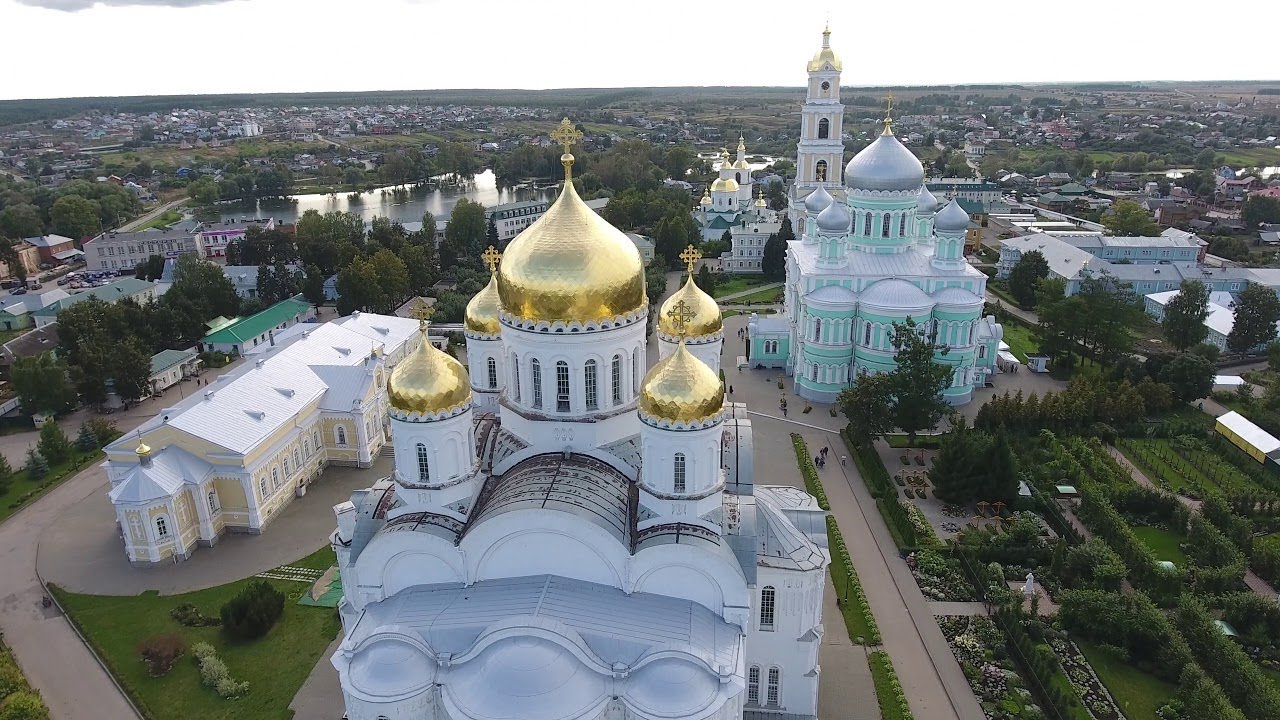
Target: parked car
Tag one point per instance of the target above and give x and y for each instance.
(19, 291)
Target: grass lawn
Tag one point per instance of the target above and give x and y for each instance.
(163, 220)
(888, 691)
(1137, 693)
(275, 665)
(740, 283)
(24, 490)
(763, 296)
(1020, 341)
(1163, 543)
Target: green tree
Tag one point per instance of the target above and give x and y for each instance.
(90, 372)
(41, 384)
(36, 467)
(1024, 276)
(866, 405)
(131, 370)
(6, 481)
(464, 235)
(23, 705)
(1260, 209)
(491, 233)
(20, 221)
(54, 444)
(86, 441)
(328, 241)
(673, 234)
(706, 281)
(958, 468)
(1257, 311)
(313, 285)
(774, 262)
(1185, 313)
(75, 217)
(1128, 219)
(150, 269)
(204, 192)
(393, 280)
(677, 161)
(353, 177)
(916, 384)
(1204, 160)
(1190, 376)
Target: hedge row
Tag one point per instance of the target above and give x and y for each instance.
(1039, 663)
(849, 589)
(1227, 663)
(884, 491)
(889, 695)
(808, 471)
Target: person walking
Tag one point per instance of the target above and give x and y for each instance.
(730, 389)
(842, 459)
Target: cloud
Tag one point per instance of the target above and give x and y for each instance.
(77, 5)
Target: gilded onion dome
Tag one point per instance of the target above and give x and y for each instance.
(724, 185)
(706, 197)
(682, 389)
(482, 311)
(428, 381)
(571, 266)
(741, 165)
(825, 55)
(706, 317)
(760, 203)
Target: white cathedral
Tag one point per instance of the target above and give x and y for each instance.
(567, 533)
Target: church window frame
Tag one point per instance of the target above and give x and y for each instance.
(820, 171)
(536, 370)
(768, 601)
(885, 221)
(315, 436)
(275, 478)
(562, 387)
(753, 685)
(971, 326)
(297, 459)
(678, 473)
(212, 498)
(817, 329)
(492, 367)
(424, 463)
(162, 528)
(824, 129)
(287, 466)
(773, 692)
(867, 222)
(306, 446)
(340, 436)
(635, 371)
(515, 377)
(902, 225)
(866, 333)
(589, 385)
(617, 379)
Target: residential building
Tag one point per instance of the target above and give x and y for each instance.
(984, 193)
(16, 313)
(237, 336)
(170, 367)
(126, 250)
(137, 290)
(53, 249)
(511, 218)
(644, 245)
(215, 238)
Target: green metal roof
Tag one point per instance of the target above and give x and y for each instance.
(114, 292)
(166, 359)
(257, 324)
(972, 206)
(1072, 189)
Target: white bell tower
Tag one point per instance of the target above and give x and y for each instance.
(820, 153)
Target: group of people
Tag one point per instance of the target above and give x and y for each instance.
(821, 459)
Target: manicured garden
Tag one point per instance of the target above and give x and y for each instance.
(1165, 543)
(193, 687)
(1138, 694)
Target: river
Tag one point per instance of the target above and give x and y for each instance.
(406, 207)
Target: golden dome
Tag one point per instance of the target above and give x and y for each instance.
(825, 55)
(706, 313)
(760, 201)
(682, 388)
(428, 381)
(482, 311)
(724, 185)
(741, 165)
(706, 198)
(571, 266)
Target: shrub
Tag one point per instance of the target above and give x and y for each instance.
(161, 652)
(252, 612)
(214, 673)
(190, 616)
(103, 429)
(11, 679)
(810, 473)
(37, 467)
(54, 444)
(23, 705)
(86, 441)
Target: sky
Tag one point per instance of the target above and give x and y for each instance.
(70, 48)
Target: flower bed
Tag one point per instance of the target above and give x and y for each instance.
(940, 578)
(1090, 689)
(979, 647)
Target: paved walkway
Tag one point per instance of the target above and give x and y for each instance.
(931, 679)
(749, 291)
(146, 217)
(957, 608)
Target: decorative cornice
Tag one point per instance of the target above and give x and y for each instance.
(716, 336)
(419, 417)
(640, 314)
(681, 426)
(474, 335)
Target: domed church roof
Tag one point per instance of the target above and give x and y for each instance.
(885, 164)
(706, 313)
(818, 200)
(926, 202)
(681, 389)
(835, 220)
(482, 311)
(428, 381)
(952, 218)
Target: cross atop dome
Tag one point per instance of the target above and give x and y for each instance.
(566, 135)
(888, 114)
(422, 312)
(491, 257)
(680, 315)
(690, 255)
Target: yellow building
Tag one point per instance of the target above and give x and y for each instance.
(230, 458)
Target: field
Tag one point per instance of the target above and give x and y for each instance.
(1138, 694)
(763, 296)
(275, 665)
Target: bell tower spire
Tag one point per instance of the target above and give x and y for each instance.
(820, 153)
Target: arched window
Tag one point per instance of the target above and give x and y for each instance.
(737, 177)
(262, 488)
(286, 466)
(820, 171)
(753, 685)
(515, 378)
(589, 385)
(536, 368)
(884, 226)
(340, 435)
(493, 373)
(824, 129)
(766, 607)
(866, 224)
(971, 324)
(315, 437)
(866, 333)
(562, 386)
(297, 459)
(306, 447)
(213, 502)
(813, 372)
(617, 379)
(775, 680)
(817, 329)
(275, 478)
(902, 225)
(678, 474)
(424, 464)
(162, 528)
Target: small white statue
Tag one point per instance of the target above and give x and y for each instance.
(1030, 588)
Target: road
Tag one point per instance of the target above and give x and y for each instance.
(147, 217)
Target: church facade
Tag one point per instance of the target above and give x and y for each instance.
(874, 248)
(570, 533)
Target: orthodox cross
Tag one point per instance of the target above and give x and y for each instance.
(491, 258)
(888, 114)
(422, 312)
(566, 135)
(690, 256)
(680, 315)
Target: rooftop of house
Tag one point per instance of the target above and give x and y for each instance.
(255, 325)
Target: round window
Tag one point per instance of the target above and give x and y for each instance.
(826, 85)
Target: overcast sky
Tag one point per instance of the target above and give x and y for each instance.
(63, 48)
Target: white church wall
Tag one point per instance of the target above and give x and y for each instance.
(791, 645)
(525, 542)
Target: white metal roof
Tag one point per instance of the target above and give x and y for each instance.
(1250, 433)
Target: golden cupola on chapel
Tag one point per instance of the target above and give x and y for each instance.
(571, 265)
(428, 381)
(705, 319)
(482, 310)
(681, 388)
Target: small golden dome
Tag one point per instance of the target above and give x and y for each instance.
(760, 202)
(706, 313)
(143, 449)
(571, 266)
(706, 198)
(682, 389)
(724, 185)
(741, 165)
(428, 381)
(482, 311)
(825, 54)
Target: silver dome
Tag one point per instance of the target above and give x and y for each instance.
(835, 220)
(885, 164)
(926, 202)
(818, 200)
(952, 218)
